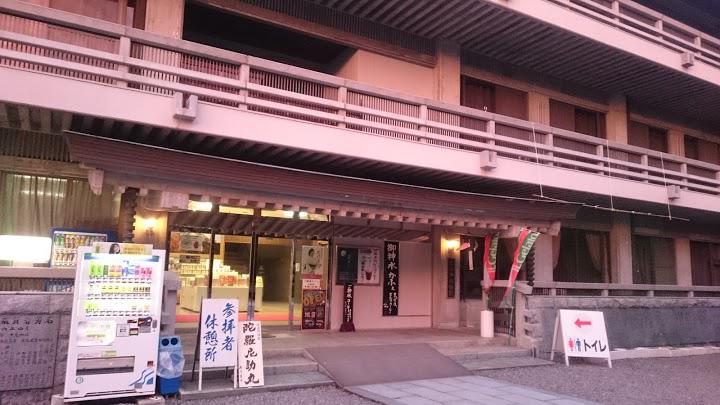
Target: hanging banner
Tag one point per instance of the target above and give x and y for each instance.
(489, 262)
(313, 309)
(250, 356)
(348, 296)
(526, 240)
(391, 284)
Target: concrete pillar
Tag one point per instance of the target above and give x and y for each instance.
(447, 72)
(544, 258)
(538, 108)
(445, 311)
(683, 263)
(165, 17)
(676, 142)
(621, 249)
(617, 120)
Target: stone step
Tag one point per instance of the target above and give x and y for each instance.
(468, 353)
(503, 362)
(471, 342)
(274, 382)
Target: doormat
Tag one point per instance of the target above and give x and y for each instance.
(362, 365)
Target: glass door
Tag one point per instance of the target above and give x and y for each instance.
(190, 257)
(274, 282)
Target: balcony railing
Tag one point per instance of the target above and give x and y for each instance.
(639, 20)
(623, 290)
(48, 41)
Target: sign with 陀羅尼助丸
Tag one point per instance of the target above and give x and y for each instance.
(250, 356)
(581, 334)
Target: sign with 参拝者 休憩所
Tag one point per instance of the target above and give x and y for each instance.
(218, 334)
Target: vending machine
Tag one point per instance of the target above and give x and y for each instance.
(65, 243)
(113, 345)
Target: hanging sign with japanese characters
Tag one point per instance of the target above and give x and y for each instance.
(582, 334)
(218, 333)
(250, 356)
(391, 284)
(348, 297)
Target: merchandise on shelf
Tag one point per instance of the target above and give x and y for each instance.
(66, 243)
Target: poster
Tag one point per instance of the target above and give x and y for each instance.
(218, 333)
(313, 266)
(347, 265)
(368, 266)
(391, 283)
(250, 356)
(189, 242)
(122, 248)
(313, 309)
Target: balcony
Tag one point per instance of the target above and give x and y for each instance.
(61, 72)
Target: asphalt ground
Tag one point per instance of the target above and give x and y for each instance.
(676, 380)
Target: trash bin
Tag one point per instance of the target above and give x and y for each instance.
(171, 362)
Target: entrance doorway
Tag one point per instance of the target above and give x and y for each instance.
(263, 273)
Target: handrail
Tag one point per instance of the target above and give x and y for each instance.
(662, 30)
(552, 288)
(163, 65)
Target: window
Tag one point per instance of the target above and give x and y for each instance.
(647, 137)
(126, 12)
(31, 205)
(705, 263)
(493, 98)
(581, 256)
(692, 149)
(577, 119)
(653, 260)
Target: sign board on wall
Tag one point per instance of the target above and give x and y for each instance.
(582, 334)
(451, 277)
(391, 285)
(368, 266)
(218, 334)
(358, 265)
(347, 265)
(250, 356)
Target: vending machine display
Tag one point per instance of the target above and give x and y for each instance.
(65, 244)
(115, 322)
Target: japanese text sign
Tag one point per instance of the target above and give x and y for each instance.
(582, 334)
(250, 356)
(391, 286)
(218, 333)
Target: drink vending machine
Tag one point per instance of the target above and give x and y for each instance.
(115, 326)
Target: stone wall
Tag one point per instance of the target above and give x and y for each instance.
(631, 321)
(45, 307)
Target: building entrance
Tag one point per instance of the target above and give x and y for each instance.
(264, 273)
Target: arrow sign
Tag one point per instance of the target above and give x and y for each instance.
(580, 323)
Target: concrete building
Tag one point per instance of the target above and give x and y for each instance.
(264, 126)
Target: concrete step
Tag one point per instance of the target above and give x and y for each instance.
(468, 353)
(478, 365)
(275, 362)
(470, 342)
(224, 387)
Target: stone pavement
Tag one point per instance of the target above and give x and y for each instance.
(461, 390)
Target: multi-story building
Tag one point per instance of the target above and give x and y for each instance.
(259, 127)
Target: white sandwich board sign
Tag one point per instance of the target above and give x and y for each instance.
(582, 334)
(218, 335)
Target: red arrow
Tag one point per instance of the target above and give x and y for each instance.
(580, 323)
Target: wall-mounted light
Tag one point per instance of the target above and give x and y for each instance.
(149, 224)
(452, 245)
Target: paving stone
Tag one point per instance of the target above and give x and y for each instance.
(522, 399)
(567, 401)
(481, 398)
(430, 394)
(483, 381)
(492, 391)
(528, 392)
(384, 390)
(400, 385)
(461, 402)
(413, 400)
(435, 385)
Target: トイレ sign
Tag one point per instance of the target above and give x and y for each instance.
(582, 334)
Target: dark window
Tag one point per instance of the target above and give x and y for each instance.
(583, 257)
(493, 98)
(705, 263)
(692, 149)
(572, 118)
(653, 260)
(647, 137)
